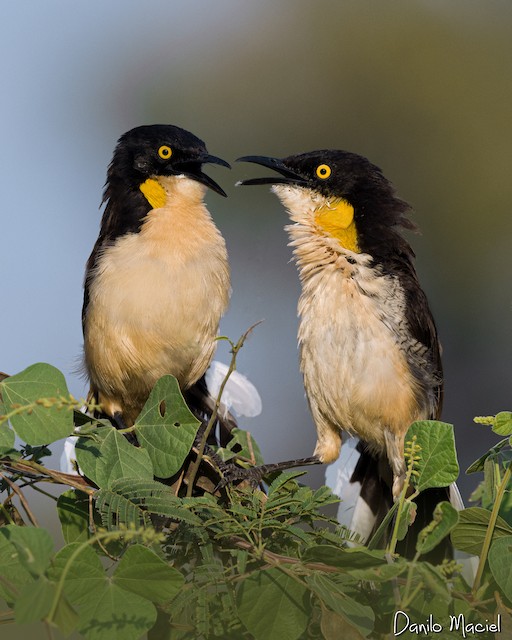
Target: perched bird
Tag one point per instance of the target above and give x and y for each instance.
(157, 281)
(369, 350)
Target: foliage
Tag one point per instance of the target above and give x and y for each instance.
(152, 546)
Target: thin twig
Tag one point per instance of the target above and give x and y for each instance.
(20, 495)
(33, 485)
(179, 482)
(194, 467)
(28, 466)
(7, 617)
(92, 527)
(273, 558)
(6, 514)
(251, 448)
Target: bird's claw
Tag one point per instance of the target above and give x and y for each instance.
(235, 475)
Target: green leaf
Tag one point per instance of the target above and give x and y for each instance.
(493, 453)
(409, 508)
(73, 512)
(144, 573)
(324, 496)
(34, 602)
(105, 610)
(500, 563)
(506, 619)
(116, 508)
(39, 424)
(334, 627)
(13, 574)
(85, 575)
(34, 547)
(7, 439)
(382, 573)
(503, 423)
(438, 466)
(282, 479)
(423, 605)
(130, 501)
(65, 617)
(333, 596)
(273, 606)
(112, 458)
(350, 558)
(434, 581)
(490, 484)
(468, 535)
(445, 519)
(165, 428)
(115, 614)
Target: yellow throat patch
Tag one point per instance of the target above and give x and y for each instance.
(337, 219)
(154, 193)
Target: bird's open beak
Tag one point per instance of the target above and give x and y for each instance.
(193, 170)
(287, 175)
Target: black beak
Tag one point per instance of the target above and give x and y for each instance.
(287, 175)
(192, 170)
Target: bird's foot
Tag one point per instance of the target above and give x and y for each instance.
(254, 475)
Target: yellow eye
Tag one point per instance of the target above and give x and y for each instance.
(323, 171)
(165, 152)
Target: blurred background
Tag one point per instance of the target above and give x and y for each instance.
(421, 87)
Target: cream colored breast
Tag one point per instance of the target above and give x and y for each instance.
(158, 296)
(355, 372)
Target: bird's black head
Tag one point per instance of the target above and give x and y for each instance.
(160, 150)
(343, 188)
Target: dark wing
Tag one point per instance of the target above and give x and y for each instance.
(421, 324)
(125, 211)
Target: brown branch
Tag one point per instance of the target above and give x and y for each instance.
(276, 558)
(29, 467)
(20, 495)
(251, 448)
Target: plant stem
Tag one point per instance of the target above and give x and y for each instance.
(194, 468)
(6, 513)
(490, 528)
(411, 451)
(22, 498)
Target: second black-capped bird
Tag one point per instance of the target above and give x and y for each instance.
(369, 351)
(157, 281)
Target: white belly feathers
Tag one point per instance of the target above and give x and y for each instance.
(351, 349)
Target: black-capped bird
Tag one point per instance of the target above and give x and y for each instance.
(369, 350)
(157, 281)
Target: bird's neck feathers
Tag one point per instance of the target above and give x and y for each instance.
(330, 231)
(324, 231)
(182, 216)
(129, 207)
